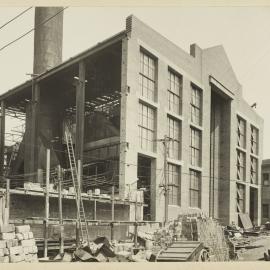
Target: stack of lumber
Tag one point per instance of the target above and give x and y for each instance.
(17, 244)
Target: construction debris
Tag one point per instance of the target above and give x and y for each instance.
(17, 244)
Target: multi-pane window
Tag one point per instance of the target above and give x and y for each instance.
(241, 165)
(266, 179)
(265, 210)
(196, 105)
(241, 132)
(147, 76)
(254, 141)
(146, 127)
(174, 92)
(174, 184)
(240, 198)
(195, 189)
(195, 147)
(174, 136)
(253, 170)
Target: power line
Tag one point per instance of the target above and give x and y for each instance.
(16, 17)
(33, 29)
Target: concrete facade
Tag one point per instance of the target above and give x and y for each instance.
(265, 190)
(212, 180)
(211, 72)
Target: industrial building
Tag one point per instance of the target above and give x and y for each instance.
(144, 115)
(265, 190)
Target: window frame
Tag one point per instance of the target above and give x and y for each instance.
(253, 170)
(146, 128)
(147, 78)
(241, 167)
(195, 147)
(174, 188)
(172, 94)
(175, 126)
(254, 140)
(241, 134)
(196, 109)
(195, 175)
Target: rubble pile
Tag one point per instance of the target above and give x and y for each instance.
(17, 244)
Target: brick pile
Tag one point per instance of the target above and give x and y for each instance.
(17, 244)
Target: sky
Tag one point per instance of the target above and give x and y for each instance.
(243, 31)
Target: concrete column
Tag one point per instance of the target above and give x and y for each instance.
(2, 137)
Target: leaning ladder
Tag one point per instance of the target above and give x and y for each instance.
(77, 188)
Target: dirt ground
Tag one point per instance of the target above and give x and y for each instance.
(260, 245)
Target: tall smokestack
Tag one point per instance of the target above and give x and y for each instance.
(48, 38)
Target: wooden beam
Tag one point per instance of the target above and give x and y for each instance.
(80, 110)
(7, 207)
(2, 136)
(47, 206)
(34, 128)
(60, 177)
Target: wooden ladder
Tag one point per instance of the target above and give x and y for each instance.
(77, 188)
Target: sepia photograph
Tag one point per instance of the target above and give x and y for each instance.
(134, 133)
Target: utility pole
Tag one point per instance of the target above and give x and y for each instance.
(166, 184)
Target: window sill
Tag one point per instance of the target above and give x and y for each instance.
(149, 102)
(241, 149)
(174, 115)
(196, 126)
(195, 168)
(147, 153)
(175, 161)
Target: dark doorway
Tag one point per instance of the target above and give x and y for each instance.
(253, 205)
(144, 182)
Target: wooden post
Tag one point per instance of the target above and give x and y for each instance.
(47, 206)
(112, 231)
(77, 233)
(34, 128)
(112, 202)
(61, 240)
(7, 208)
(135, 234)
(80, 109)
(2, 136)
(95, 209)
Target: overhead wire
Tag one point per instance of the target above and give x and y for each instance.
(14, 18)
(32, 29)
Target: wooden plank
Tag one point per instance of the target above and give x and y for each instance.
(2, 136)
(7, 208)
(47, 206)
(59, 170)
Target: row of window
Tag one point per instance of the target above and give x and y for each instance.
(241, 167)
(174, 183)
(242, 137)
(147, 83)
(241, 154)
(147, 114)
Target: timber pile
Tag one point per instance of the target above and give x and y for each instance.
(17, 244)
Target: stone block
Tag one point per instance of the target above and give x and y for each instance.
(7, 236)
(25, 235)
(3, 243)
(4, 259)
(16, 258)
(16, 250)
(22, 228)
(28, 243)
(19, 236)
(30, 235)
(7, 228)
